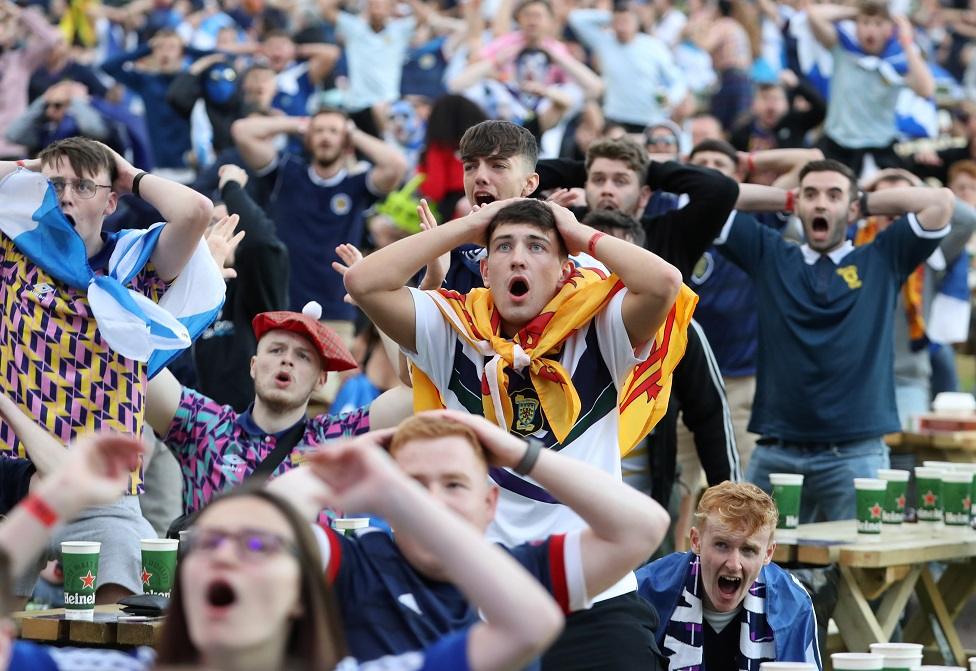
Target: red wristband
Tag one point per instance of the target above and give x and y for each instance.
(591, 248)
(751, 163)
(39, 508)
(21, 163)
(789, 202)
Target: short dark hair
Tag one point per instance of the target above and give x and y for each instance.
(532, 212)
(830, 165)
(525, 3)
(717, 146)
(622, 149)
(328, 109)
(86, 157)
(612, 221)
(874, 8)
(499, 138)
(277, 32)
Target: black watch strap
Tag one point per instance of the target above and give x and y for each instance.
(533, 448)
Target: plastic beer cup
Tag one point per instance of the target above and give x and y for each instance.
(158, 565)
(79, 560)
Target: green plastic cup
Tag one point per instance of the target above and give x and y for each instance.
(79, 562)
(957, 496)
(870, 505)
(348, 525)
(158, 565)
(899, 656)
(928, 484)
(894, 506)
(787, 489)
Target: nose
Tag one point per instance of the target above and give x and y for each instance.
(481, 175)
(225, 552)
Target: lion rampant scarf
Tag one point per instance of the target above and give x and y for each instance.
(642, 401)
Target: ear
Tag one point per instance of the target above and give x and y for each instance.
(111, 204)
(854, 211)
(323, 376)
(770, 549)
(254, 360)
(695, 537)
(483, 266)
(566, 271)
(645, 195)
(531, 184)
(491, 504)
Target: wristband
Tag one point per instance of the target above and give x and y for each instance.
(21, 164)
(135, 184)
(790, 204)
(591, 248)
(863, 203)
(40, 510)
(751, 163)
(533, 448)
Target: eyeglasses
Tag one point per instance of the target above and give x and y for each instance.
(252, 545)
(55, 105)
(83, 188)
(668, 140)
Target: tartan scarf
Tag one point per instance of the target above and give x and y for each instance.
(642, 401)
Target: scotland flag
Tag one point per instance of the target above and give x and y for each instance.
(132, 325)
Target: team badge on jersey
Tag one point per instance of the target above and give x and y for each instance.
(703, 269)
(849, 275)
(341, 204)
(526, 410)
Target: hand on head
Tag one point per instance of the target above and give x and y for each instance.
(358, 473)
(501, 448)
(231, 173)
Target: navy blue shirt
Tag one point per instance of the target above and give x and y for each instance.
(389, 608)
(312, 218)
(826, 360)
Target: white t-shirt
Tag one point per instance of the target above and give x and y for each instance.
(375, 59)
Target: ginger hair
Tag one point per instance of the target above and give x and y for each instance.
(739, 505)
(425, 427)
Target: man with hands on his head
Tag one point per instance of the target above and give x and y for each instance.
(548, 351)
(395, 591)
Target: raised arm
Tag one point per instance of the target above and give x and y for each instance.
(588, 80)
(378, 282)
(162, 402)
(652, 283)
(94, 472)
(186, 212)
(389, 164)
(520, 618)
(932, 207)
(919, 77)
(786, 163)
(822, 18)
(46, 452)
(255, 137)
(624, 525)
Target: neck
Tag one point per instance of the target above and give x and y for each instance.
(268, 655)
(93, 242)
(329, 170)
(273, 421)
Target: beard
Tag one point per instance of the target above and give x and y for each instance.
(327, 159)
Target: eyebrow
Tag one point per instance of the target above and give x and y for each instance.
(300, 348)
(532, 237)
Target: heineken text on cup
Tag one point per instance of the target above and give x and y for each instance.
(957, 492)
(158, 565)
(79, 560)
(870, 494)
(928, 484)
(894, 505)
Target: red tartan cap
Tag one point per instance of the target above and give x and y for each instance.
(335, 355)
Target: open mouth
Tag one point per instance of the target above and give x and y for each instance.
(728, 585)
(220, 594)
(606, 204)
(482, 198)
(518, 287)
(283, 378)
(71, 220)
(819, 225)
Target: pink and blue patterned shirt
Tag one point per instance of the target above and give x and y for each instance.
(218, 448)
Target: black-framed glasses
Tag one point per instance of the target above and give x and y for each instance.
(83, 188)
(252, 545)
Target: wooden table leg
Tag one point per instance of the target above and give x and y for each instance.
(893, 603)
(956, 586)
(856, 621)
(933, 603)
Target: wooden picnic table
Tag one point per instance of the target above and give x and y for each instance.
(891, 568)
(957, 446)
(110, 627)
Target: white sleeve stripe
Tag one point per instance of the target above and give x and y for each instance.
(923, 233)
(731, 449)
(575, 580)
(723, 235)
(325, 547)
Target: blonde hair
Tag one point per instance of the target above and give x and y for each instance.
(426, 427)
(738, 505)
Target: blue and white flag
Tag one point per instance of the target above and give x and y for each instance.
(133, 325)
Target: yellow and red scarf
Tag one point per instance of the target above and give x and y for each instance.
(642, 401)
(911, 291)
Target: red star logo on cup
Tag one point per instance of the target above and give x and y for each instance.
(929, 498)
(901, 502)
(146, 576)
(87, 581)
(967, 503)
(875, 512)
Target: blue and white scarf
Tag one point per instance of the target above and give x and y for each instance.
(133, 325)
(684, 638)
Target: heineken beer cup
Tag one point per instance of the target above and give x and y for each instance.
(894, 505)
(870, 505)
(79, 560)
(787, 488)
(928, 484)
(158, 565)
